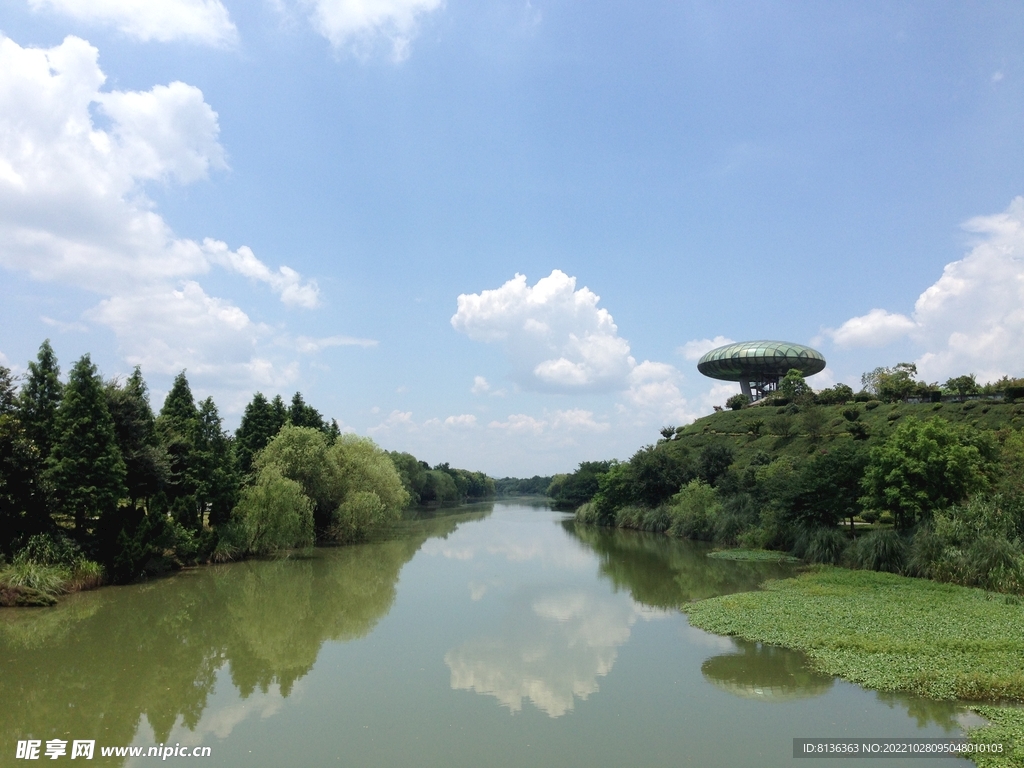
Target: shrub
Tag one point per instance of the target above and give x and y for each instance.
(857, 430)
(781, 425)
(851, 414)
(870, 405)
(736, 402)
(738, 514)
(694, 510)
(44, 549)
(52, 566)
(85, 575)
(812, 421)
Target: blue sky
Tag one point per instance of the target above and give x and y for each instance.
(284, 195)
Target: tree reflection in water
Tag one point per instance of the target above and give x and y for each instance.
(92, 666)
(765, 673)
(663, 572)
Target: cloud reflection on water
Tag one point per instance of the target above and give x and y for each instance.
(552, 649)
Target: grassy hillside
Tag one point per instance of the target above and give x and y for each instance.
(800, 430)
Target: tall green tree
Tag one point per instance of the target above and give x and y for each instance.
(962, 386)
(794, 387)
(176, 426)
(261, 421)
(926, 466)
(145, 460)
(300, 414)
(892, 384)
(39, 399)
(22, 506)
(85, 471)
(8, 391)
(827, 489)
(216, 478)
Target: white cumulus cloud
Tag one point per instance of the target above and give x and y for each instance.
(199, 21)
(462, 420)
(972, 318)
(654, 394)
(875, 329)
(73, 209)
(696, 349)
(361, 26)
(555, 335)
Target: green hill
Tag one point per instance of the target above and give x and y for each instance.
(800, 430)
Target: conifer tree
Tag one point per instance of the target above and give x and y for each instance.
(302, 415)
(135, 426)
(22, 508)
(217, 481)
(176, 427)
(40, 398)
(85, 471)
(8, 393)
(280, 412)
(261, 421)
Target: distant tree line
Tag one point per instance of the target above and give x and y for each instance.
(526, 486)
(836, 477)
(441, 485)
(94, 485)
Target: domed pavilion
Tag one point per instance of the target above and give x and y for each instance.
(759, 365)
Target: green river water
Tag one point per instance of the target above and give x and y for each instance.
(492, 635)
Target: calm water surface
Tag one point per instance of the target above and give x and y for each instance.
(498, 635)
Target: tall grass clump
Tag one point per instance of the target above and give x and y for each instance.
(739, 513)
(45, 568)
(587, 513)
(976, 544)
(630, 516)
(881, 550)
(826, 546)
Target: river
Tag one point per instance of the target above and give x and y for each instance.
(496, 635)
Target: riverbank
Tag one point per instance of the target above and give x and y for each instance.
(892, 633)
